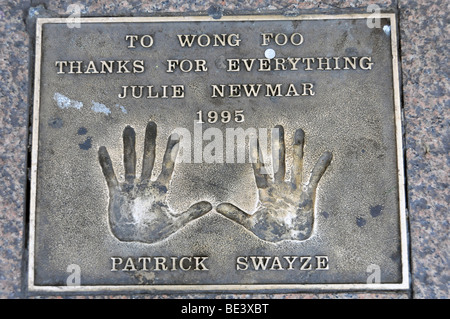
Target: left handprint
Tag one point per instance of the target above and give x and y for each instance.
(138, 209)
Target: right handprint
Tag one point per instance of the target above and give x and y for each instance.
(286, 209)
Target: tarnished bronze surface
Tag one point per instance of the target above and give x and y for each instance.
(251, 153)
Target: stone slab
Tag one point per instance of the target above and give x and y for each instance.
(422, 30)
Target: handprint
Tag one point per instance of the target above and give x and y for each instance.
(286, 209)
(138, 209)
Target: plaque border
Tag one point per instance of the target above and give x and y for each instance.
(403, 285)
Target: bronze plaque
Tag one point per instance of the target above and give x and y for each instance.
(247, 153)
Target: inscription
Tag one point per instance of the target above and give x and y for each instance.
(100, 67)
(204, 40)
(199, 263)
(152, 92)
(224, 116)
(282, 263)
(159, 263)
(230, 65)
(266, 90)
(299, 64)
(281, 38)
(146, 40)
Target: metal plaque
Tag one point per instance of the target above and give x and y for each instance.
(246, 153)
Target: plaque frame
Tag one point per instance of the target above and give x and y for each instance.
(403, 285)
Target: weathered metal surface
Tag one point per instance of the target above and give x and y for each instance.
(285, 172)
